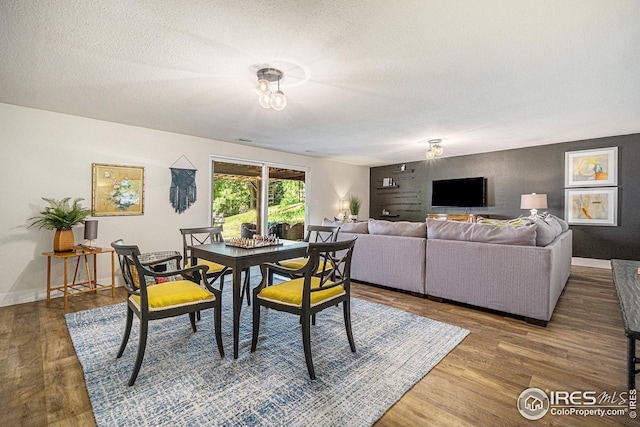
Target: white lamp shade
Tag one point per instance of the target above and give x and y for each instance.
(278, 101)
(263, 86)
(265, 100)
(533, 201)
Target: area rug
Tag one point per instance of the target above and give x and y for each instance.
(184, 382)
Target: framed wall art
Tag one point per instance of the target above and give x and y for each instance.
(591, 168)
(117, 190)
(591, 206)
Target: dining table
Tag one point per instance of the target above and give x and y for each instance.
(240, 258)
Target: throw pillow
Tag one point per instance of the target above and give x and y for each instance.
(504, 222)
(564, 225)
(545, 234)
(554, 223)
(335, 223)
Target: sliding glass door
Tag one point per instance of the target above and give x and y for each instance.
(286, 203)
(256, 198)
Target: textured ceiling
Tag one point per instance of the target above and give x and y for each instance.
(365, 81)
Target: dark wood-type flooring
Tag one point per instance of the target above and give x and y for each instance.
(478, 383)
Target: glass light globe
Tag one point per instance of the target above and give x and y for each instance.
(265, 100)
(438, 150)
(263, 86)
(278, 101)
(430, 154)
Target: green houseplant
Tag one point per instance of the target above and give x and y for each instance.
(354, 207)
(61, 215)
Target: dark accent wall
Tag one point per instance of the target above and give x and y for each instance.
(510, 174)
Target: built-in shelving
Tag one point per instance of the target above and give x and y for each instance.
(404, 197)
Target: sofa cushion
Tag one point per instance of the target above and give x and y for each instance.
(524, 235)
(398, 228)
(349, 227)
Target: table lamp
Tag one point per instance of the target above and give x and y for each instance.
(344, 205)
(534, 202)
(90, 232)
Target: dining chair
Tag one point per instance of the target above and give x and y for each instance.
(151, 298)
(324, 281)
(317, 234)
(203, 236)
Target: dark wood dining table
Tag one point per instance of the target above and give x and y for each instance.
(239, 259)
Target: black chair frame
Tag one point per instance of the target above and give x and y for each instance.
(335, 254)
(128, 257)
(202, 236)
(323, 234)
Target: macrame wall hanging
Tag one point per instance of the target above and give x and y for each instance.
(183, 186)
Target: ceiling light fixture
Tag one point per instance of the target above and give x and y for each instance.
(435, 149)
(266, 98)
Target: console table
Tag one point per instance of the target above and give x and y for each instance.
(455, 217)
(91, 284)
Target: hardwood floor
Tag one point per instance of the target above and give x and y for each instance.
(582, 349)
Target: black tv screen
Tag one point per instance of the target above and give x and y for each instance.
(463, 192)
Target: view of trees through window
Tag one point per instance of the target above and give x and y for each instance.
(236, 199)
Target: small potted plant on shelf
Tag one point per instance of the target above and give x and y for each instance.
(61, 215)
(354, 207)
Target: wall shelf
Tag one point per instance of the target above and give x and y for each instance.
(386, 187)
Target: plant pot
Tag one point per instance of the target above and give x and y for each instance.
(63, 240)
(354, 218)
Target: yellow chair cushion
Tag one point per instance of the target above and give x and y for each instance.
(295, 263)
(174, 294)
(213, 266)
(298, 263)
(290, 292)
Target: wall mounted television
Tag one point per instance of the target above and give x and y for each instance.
(462, 192)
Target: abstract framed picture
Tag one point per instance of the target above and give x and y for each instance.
(117, 190)
(591, 168)
(591, 206)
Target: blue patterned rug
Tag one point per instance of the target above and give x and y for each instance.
(183, 381)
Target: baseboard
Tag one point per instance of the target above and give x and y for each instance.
(32, 295)
(591, 262)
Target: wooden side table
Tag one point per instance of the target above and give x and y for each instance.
(91, 284)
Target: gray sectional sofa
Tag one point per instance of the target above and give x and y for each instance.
(517, 267)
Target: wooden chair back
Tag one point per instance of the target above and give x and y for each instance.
(322, 233)
(198, 236)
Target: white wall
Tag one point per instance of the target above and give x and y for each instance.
(47, 154)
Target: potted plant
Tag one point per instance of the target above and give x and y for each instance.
(61, 215)
(354, 207)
